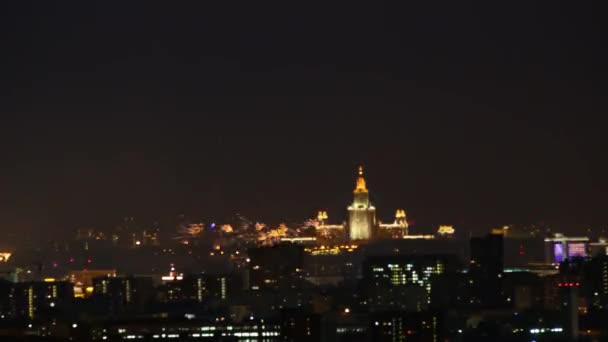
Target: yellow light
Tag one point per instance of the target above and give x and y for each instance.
(361, 187)
(497, 231)
(360, 182)
(443, 230)
(4, 257)
(49, 280)
(89, 289)
(30, 302)
(78, 291)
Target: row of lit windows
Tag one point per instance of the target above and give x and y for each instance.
(350, 330)
(208, 332)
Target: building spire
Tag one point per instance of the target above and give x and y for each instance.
(361, 187)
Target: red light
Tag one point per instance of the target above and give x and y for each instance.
(521, 246)
(409, 332)
(71, 259)
(578, 284)
(522, 253)
(55, 264)
(571, 284)
(559, 284)
(89, 261)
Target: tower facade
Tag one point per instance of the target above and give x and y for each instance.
(361, 213)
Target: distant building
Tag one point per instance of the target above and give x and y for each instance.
(598, 248)
(83, 280)
(559, 248)
(595, 282)
(204, 288)
(487, 266)
(401, 326)
(345, 327)
(362, 224)
(454, 290)
(396, 230)
(523, 251)
(446, 231)
(186, 329)
(329, 269)
(276, 268)
(122, 294)
(361, 213)
(33, 300)
(402, 282)
(297, 325)
(522, 290)
(6, 289)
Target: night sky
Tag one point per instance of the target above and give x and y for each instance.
(462, 112)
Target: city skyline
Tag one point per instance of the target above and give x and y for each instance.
(340, 216)
(301, 171)
(329, 203)
(459, 115)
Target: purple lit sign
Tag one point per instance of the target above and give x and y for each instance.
(576, 250)
(558, 253)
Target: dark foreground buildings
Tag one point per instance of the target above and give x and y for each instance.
(377, 291)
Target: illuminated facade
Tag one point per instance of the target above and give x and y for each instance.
(402, 282)
(83, 280)
(205, 287)
(560, 248)
(34, 299)
(188, 329)
(445, 230)
(396, 230)
(361, 213)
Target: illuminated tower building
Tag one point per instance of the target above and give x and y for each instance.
(361, 214)
(322, 217)
(401, 221)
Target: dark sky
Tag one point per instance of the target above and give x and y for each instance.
(462, 112)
